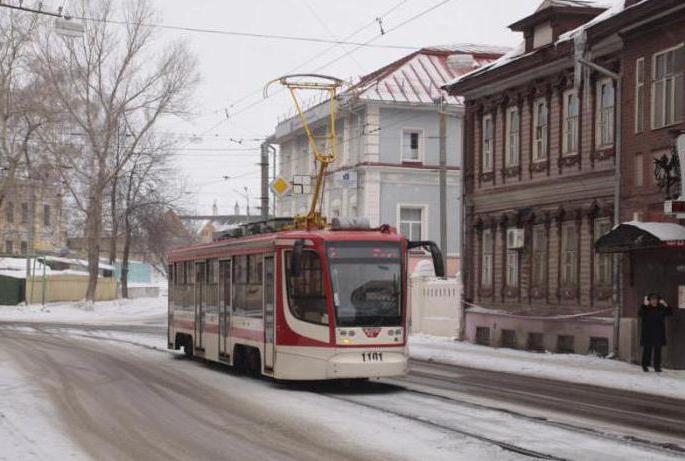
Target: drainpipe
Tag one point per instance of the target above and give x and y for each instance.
(616, 267)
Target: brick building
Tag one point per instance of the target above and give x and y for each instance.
(540, 171)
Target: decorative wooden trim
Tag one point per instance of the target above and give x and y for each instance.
(568, 161)
(603, 154)
(486, 177)
(511, 171)
(541, 165)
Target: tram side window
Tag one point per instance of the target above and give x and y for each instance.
(247, 285)
(190, 273)
(306, 294)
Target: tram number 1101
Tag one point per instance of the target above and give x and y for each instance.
(372, 356)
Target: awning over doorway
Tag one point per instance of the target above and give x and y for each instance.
(635, 235)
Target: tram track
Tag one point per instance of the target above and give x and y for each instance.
(440, 385)
(503, 445)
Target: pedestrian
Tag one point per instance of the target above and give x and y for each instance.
(653, 313)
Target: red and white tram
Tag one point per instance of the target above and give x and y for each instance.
(298, 304)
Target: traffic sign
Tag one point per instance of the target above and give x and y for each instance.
(281, 186)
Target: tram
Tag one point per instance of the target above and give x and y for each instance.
(296, 304)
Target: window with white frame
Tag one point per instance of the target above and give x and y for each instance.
(487, 255)
(540, 122)
(411, 145)
(639, 95)
(488, 143)
(539, 256)
(667, 87)
(602, 260)
(411, 222)
(605, 113)
(569, 255)
(513, 137)
(570, 126)
(512, 275)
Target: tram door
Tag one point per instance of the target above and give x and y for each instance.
(269, 313)
(224, 307)
(200, 302)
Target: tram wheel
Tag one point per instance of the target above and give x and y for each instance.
(188, 347)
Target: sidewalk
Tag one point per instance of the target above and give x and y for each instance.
(562, 367)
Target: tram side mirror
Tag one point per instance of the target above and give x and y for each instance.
(296, 258)
(436, 254)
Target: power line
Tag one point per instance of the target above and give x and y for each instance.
(258, 91)
(245, 34)
(347, 53)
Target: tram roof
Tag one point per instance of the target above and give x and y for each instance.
(259, 241)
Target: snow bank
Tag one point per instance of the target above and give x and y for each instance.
(564, 367)
(118, 310)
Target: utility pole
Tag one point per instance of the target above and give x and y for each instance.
(443, 178)
(31, 236)
(264, 164)
(617, 260)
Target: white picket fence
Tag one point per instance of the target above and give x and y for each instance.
(435, 306)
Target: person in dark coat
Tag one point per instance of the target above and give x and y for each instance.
(653, 313)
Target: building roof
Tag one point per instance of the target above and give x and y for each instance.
(419, 76)
(612, 8)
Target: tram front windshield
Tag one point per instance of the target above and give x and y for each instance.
(366, 280)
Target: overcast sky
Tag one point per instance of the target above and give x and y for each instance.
(236, 68)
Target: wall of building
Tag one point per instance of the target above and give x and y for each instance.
(394, 122)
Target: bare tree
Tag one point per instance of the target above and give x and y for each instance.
(21, 102)
(113, 76)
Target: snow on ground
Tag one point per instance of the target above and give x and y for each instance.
(564, 367)
(102, 312)
(27, 420)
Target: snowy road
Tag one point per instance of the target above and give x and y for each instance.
(114, 399)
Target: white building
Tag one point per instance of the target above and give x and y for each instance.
(388, 146)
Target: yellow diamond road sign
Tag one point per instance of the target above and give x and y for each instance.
(280, 186)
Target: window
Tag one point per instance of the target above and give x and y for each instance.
(571, 113)
(512, 268)
(9, 212)
(639, 95)
(487, 259)
(24, 248)
(24, 213)
(247, 285)
(488, 143)
(9, 247)
(411, 222)
(512, 137)
(539, 256)
(411, 145)
(565, 344)
(46, 215)
(483, 336)
(605, 113)
(639, 170)
(212, 271)
(540, 135)
(306, 295)
(569, 255)
(667, 87)
(602, 260)
(508, 339)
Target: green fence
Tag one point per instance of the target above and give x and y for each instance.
(11, 291)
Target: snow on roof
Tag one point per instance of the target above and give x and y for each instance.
(573, 3)
(419, 77)
(664, 231)
(614, 7)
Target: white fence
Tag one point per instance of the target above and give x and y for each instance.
(435, 306)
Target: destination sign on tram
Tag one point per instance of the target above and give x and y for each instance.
(364, 252)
